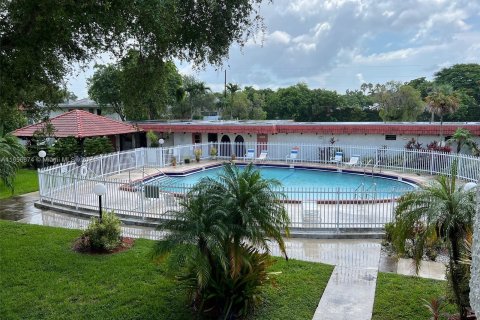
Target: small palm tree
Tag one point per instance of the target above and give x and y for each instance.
(11, 152)
(255, 211)
(463, 137)
(446, 210)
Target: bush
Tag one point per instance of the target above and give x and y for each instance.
(96, 146)
(153, 138)
(389, 229)
(102, 235)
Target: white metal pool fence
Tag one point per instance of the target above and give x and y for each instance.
(71, 185)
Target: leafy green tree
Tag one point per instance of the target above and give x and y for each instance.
(398, 102)
(443, 209)
(463, 137)
(216, 235)
(105, 88)
(10, 120)
(11, 154)
(286, 102)
(39, 40)
(65, 149)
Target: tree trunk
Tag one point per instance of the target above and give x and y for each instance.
(455, 273)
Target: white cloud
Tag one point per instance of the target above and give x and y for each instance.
(279, 37)
(338, 43)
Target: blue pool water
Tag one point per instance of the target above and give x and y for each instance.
(352, 185)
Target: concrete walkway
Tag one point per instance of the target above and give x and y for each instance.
(349, 294)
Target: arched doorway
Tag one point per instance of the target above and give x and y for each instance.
(225, 150)
(239, 146)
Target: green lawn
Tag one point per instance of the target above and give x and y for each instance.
(42, 278)
(26, 181)
(400, 297)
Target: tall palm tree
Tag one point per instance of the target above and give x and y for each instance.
(463, 137)
(232, 88)
(195, 89)
(11, 152)
(446, 210)
(442, 101)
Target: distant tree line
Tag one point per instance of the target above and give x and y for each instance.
(148, 90)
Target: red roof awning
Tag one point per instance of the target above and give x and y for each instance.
(79, 124)
(350, 128)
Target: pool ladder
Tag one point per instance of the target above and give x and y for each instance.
(362, 193)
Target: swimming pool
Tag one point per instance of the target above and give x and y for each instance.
(301, 183)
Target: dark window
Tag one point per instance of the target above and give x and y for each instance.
(197, 138)
(390, 137)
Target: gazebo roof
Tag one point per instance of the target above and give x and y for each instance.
(79, 124)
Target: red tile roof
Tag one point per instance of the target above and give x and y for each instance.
(79, 124)
(323, 128)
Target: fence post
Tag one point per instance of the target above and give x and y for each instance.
(404, 159)
(431, 162)
(337, 211)
(118, 161)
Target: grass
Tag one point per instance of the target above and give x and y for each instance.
(400, 297)
(42, 278)
(26, 181)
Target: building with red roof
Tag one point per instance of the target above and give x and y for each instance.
(82, 124)
(373, 134)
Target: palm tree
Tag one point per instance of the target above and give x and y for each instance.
(232, 88)
(442, 209)
(11, 152)
(463, 137)
(254, 207)
(195, 89)
(218, 232)
(199, 230)
(441, 101)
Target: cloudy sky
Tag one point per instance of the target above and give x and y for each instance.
(339, 44)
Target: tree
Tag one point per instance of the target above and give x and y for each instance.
(232, 88)
(39, 40)
(465, 80)
(194, 89)
(218, 232)
(442, 209)
(10, 120)
(463, 137)
(285, 103)
(11, 155)
(398, 102)
(105, 88)
(441, 101)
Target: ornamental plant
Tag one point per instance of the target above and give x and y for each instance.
(198, 154)
(102, 235)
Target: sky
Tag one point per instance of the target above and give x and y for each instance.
(339, 44)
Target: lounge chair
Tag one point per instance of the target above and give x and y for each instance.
(353, 161)
(262, 156)
(250, 154)
(292, 156)
(338, 158)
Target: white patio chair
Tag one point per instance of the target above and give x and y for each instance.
(250, 154)
(293, 155)
(354, 161)
(262, 156)
(338, 158)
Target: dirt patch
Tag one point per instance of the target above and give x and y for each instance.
(81, 245)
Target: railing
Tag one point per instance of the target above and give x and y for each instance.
(71, 185)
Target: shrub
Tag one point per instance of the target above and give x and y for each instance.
(153, 138)
(213, 152)
(102, 235)
(389, 229)
(198, 154)
(96, 146)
